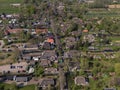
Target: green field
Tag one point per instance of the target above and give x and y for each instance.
(6, 8)
(4, 86)
(103, 13)
(29, 87)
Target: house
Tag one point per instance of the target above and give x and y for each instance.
(50, 35)
(46, 46)
(31, 55)
(92, 48)
(79, 21)
(21, 79)
(41, 31)
(79, 80)
(49, 54)
(64, 27)
(72, 54)
(46, 82)
(50, 40)
(85, 31)
(33, 32)
(90, 38)
(74, 66)
(51, 71)
(61, 6)
(70, 42)
(76, 33)
(2, 78)
(36, 58)
(45, 63)
(109, 89)
(117, 81)
(19, 67)
(9, 77)
(30, 47)
(26, 57)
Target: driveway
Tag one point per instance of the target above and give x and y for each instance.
(1, 44)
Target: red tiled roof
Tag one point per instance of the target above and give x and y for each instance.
(50, 40)
(85, 31)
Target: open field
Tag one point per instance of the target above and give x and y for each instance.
(6, 8)
(103, 13)
(29, 87)
(13, 87)
(115, 39)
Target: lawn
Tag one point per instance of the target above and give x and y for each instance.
(29, 87)
(14, 87)
(4, 86)
(6, 8)
(115, 39)
(6, 58)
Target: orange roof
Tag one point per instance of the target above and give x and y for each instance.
(85, 31)
(50, 40)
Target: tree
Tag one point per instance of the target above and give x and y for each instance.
(1, 87)
(74, 27)
(38, 70)
(1, 34)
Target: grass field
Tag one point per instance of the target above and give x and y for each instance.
(103, 13)
(29, 87)
(6, 8)
(116, 39)
(13, 87)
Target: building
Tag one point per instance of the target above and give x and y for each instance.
(46, 82)
(79, 80)
(19, 67)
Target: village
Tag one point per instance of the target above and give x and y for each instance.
(53, 47)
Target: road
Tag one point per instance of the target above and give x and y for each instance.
(58, 44)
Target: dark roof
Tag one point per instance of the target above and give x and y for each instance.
(2, 79)
(117, 81)
(79, 80)
(46, 46)
(48, 54)
(22, 79)
(51, 71)
(109, 89)
(72, 54)
(47, 81)
(45, 62)
(9, 77)
(74, 64)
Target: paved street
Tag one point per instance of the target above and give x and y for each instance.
(1, 44)
(58, 44)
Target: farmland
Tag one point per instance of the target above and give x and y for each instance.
(6, 8)
(103, 13)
